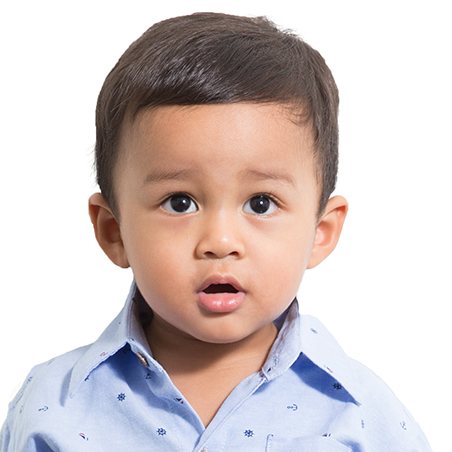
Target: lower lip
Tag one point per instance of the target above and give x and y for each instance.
(221, 302)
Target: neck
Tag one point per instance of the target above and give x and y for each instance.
(180, 353)
(204, 372)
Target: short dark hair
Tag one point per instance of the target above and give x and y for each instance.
(214, 58)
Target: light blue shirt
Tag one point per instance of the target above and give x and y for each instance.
(113, 396)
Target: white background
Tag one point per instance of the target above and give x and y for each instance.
(384, 293)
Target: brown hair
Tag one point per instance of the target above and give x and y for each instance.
(213, 58)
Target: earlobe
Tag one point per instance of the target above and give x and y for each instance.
(107, 231)
(328, 230)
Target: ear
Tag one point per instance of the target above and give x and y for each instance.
(107, 231)
(328, 229)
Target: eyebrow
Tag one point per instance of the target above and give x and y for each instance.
(269, 175)
(168, 175)
(184, 174)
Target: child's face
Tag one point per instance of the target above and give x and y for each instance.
(219, 191)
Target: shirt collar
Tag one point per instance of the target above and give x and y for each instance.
(322, 349)
(124, 329)
(306, 334)
(297, 334)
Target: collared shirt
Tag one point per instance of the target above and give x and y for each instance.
(113, 396)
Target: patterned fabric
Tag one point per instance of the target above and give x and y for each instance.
(113, 396)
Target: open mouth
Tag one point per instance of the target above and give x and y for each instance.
(220, 288)
(221, 294)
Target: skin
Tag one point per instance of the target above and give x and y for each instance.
(172, 253)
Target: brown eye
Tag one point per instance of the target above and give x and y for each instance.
(260, 205)
(180, 203)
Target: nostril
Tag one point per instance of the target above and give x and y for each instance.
(219, 245)
(220, 288)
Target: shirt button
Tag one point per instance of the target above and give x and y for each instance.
(142, 359)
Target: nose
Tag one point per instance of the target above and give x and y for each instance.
(220, 237)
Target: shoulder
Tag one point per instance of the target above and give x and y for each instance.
(384, 421)
(48, 401)
(382, 411)
(45, 386)
(49, 375)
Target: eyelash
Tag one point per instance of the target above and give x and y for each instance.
(174, 194)
(180, 193)
(271, 198)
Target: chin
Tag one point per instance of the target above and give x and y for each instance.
(221, 336)
(218, 339)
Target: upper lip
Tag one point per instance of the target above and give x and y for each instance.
(221, 279)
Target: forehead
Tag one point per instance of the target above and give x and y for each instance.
(271, 123)
(207, 137)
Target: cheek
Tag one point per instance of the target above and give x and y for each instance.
(155, 252)
(295, 256)
(291, 245)
(280, 264)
